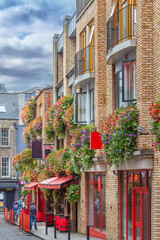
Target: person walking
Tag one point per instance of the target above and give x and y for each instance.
(15, 207)
(33, 216)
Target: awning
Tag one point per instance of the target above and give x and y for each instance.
(44, 183)
(56, 182)
(30, 186)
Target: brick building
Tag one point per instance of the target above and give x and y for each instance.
(115, 64)
(44, 101)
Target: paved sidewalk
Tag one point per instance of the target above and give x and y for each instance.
(40, 233)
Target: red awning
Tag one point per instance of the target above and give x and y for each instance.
(45, 182)
(30, 186)
(56, 182)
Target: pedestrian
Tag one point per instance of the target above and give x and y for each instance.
(33, 216)
(15, 207)
(20, 206)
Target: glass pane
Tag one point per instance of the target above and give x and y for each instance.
(136, 179)
(90, 199)
(130, 184)
(138, 233)
(120, 89)
(81, 107)
(125, 21)
(138, 216)
(149, 196)
(92, 104)
(103, 202)
(124, 205)
(144, 197)
(129, 80)
(97, 200)
(143, 179)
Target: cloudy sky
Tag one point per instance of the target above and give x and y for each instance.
(26, 31)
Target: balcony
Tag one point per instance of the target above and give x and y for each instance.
(84, 66)
(80, 5)
(121, 33)
(72, 26)
(60, 44)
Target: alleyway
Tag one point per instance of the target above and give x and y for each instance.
(11, 232)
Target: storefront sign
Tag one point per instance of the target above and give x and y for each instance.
(47, 150)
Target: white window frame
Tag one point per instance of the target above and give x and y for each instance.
(8, 167)
(6, 137)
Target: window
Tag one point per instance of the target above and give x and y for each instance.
(5, 167)
(5, 137)
(60, 144)
(60, 92)
(118, 89)
(128, 80)
(40, 110)
(92, 105)
(80, 108)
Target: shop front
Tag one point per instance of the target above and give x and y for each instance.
(35, 195)
(135, 204)
(96, 204)
(56, 188)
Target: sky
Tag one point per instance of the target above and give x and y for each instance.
(26, 34)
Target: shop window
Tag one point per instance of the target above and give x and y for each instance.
(5, 169)
(128, 81)
(4, 137)
(80, 108)
(96, 201)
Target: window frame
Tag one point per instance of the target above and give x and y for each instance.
(116, 78)
(5, 137)
(5, 167)
(76, 109)
(92, 106)
(123, 99)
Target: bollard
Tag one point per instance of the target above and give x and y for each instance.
(69, 230)
(88, 226)
(55, 235)
(46, 227)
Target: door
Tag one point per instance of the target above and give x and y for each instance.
(9, 199)
(140, 215)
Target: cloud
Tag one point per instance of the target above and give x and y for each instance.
(26, 30)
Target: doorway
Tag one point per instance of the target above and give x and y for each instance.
(135, 205)
(140, 215)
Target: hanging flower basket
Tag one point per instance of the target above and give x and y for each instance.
(119, 132)
(155, 124)
(73, 193)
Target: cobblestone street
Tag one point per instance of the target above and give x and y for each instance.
(11, 232)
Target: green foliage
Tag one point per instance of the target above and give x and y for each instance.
(73, 193)
(24, 193)
(155, 124)
(24, 160)
(80, 152)
(119, 132)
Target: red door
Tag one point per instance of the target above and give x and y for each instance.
(140, 215)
